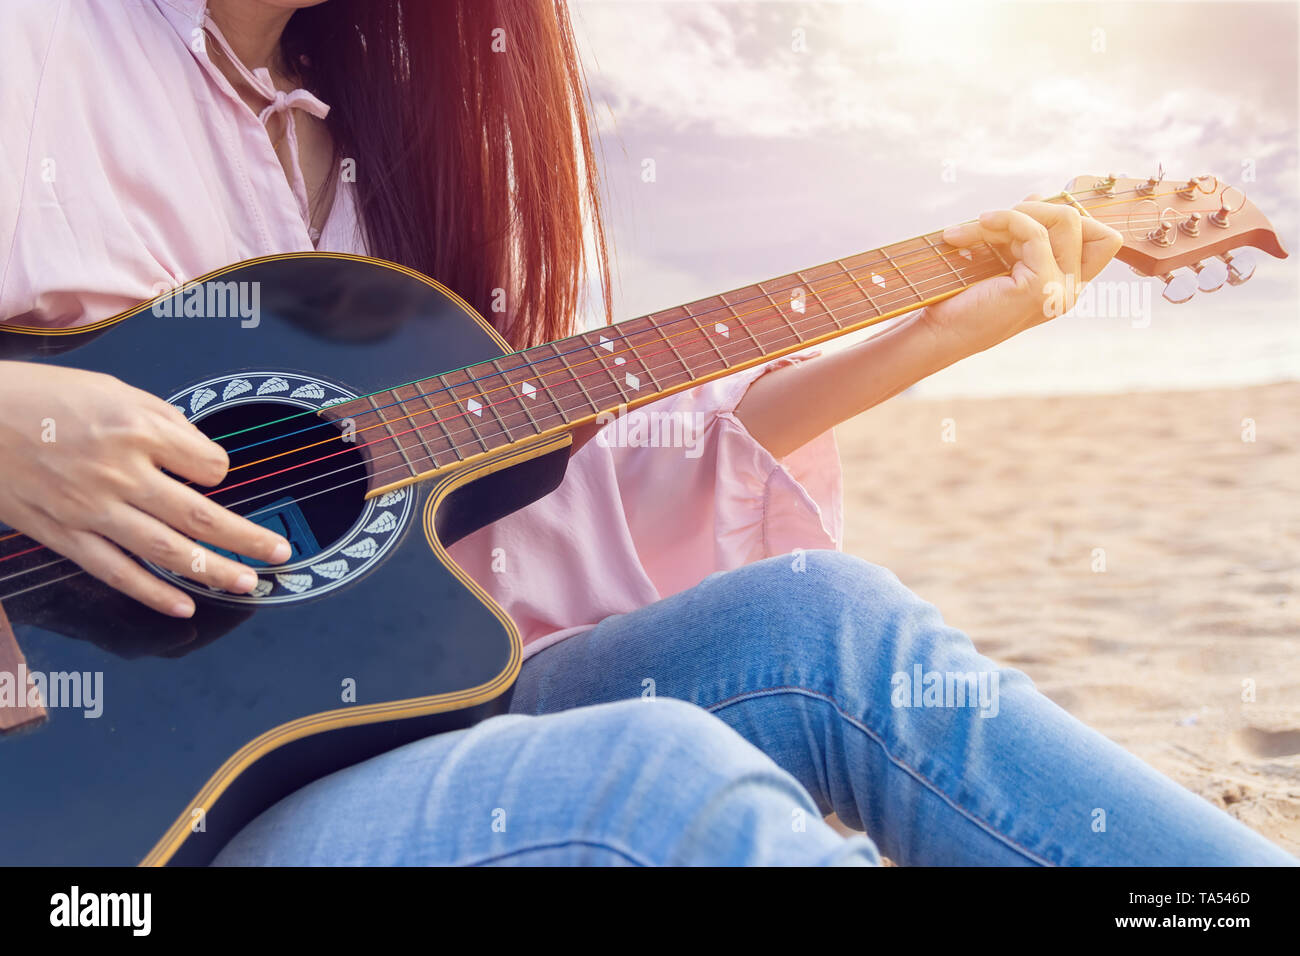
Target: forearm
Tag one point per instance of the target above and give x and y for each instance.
(789, 407)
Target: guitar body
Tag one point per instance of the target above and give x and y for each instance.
(371, 637)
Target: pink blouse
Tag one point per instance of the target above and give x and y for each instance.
(93, 221)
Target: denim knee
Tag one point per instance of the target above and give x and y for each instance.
(827, 612)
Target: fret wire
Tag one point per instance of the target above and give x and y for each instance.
(514, 390)
(609, 370)
(550, 393)
(707, 337)
(1006, 265)
(736, 317)
(860, 287)
(564, 366)
(451, 443)
(920, 297)
(388, 426)
(790, 325)
(672, 346)
(419, 431)
(496, 413)
(946, 260)
(820, 301)
(469, 416)
(645, 366)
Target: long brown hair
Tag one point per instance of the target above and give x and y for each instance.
(468, 123)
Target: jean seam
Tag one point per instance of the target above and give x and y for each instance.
(911, 771)
(557, 844)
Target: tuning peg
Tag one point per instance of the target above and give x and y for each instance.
(1241, 266)
(1180, 287)
(1106, 186)
(1220, 217)
(1149, 187)
(1193, 186)
(1211, 275)
(1191, 225)
(1163, 234)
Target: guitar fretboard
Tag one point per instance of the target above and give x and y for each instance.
(451, 418)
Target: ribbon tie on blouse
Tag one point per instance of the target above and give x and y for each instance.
(280, 102)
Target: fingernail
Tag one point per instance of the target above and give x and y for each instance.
(183, 609)
(246, 581)
(281, 552)
(951, 233)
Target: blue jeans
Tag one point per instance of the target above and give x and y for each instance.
(813, 683)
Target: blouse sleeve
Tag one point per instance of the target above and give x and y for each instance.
(702, 495)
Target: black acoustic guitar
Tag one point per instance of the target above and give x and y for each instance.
(127, 736)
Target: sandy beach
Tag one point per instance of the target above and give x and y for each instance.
(1137, 555)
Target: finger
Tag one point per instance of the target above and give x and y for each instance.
(202, 519)
(104, 561)
(148, 538)
(1033, 197)
(1025, 236)
(1064, 232)
(184, 450)
(1100, 243)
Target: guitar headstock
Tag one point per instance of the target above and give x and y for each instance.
(1200, 224)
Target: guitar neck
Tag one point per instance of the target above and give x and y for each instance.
(558, 386)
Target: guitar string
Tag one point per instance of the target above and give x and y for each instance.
(1105, 201)
(654, 329)
(559, 414)
(505, 426)
(567, 366)
(888, 261)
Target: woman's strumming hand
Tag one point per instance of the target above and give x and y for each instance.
(81, 459)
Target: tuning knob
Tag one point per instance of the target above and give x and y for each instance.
(1163, 234)
(1180, 287)
(1191, 225)
(1211, 275)
(1241, 266)
(1220, 217)
(1149, 187)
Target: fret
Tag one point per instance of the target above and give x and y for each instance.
(820, 302)
(533, 386)
(419, 432)
(745, 325)
(641, 360)
(465, 414)
(859, 286)
(388, 427)
(603, 363)
(893, 265)
(708, 337)
(514, 391)
(961, 280)
(779, 311)
(1006, 265)
(493, 407)
(433, 412)
(672, 346)
(564, 366)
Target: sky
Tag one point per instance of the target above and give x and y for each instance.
(787, 134)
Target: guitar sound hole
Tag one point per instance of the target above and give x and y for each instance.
(295, 477)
